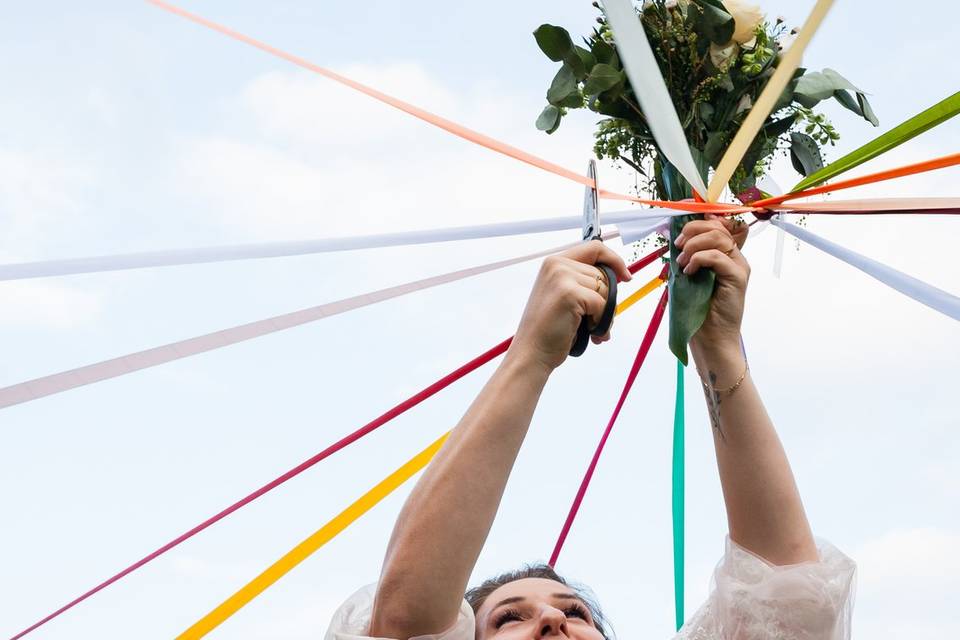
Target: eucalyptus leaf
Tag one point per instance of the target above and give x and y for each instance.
(572, 101)
(839, 82)
(868, 113)
(580, 61)
(805, 154)
(777, 128)
(603, 52)
(601, 78)
(564, 84)
(549, 119)
(812, 87)
(848, 101)
(554, 41)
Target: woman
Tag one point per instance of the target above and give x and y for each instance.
(773, 582)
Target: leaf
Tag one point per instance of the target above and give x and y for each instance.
(580, 61)
(603, 52)
(839, 81)
(601, 78)
(805, 154)
(714, 21)
(689, 296)
(848, 101)
(777, 128)
(923, 121)
(813, 87)
(613, 93)
(716, 143)
(564, 84)
(553, 41)
(816, 86)
(572, 101)
(549, 119)
(868, 113)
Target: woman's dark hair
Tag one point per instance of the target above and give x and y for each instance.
(478, 595)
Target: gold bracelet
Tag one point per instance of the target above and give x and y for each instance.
(731, 390)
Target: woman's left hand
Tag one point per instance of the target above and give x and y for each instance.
(715, 243)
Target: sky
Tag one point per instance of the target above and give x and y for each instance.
(128, 129)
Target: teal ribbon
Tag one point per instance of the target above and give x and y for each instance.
(678, 493)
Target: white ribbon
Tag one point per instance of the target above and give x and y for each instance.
(920, 291)
(650, 89)
(115, 367)
(639, 229)
(175, 257)
(768, 185)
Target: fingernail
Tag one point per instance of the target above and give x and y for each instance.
(687, 269)
(682, 259)
(680, 239)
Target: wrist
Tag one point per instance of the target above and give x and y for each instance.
(528, 366)
(721, 362)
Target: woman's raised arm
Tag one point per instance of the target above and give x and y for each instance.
(764, 510)
(445, 521)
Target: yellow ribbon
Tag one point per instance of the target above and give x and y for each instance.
(346, 517)
(303, 550)
(638, 294)
(768, 98)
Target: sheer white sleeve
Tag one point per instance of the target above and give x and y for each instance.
(352, 620)
(753, 599)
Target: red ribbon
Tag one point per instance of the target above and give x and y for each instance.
(631, 377)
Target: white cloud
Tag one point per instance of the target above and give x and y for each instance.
(39, 190)
(34, 303)
(326, 160)
(306, 109)
(919, 556)
(908, 580)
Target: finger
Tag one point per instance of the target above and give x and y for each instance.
(601, 339)
(589, 281)
(721, 263)
(590, 304)
(737, 227)
(595, 251)
(712, 239)
(697, 227)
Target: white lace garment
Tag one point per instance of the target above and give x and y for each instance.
(750, 600)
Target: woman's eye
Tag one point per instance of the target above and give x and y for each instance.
(576, 612)
(505, 617)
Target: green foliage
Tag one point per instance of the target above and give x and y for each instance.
(712, 80)
(554, 41)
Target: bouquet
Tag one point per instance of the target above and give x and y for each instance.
(716, 57)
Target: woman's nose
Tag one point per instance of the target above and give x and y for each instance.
(552, 623)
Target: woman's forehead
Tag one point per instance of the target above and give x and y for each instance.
(539, 589)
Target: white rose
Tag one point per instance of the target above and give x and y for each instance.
(747, 17)
(720, 55)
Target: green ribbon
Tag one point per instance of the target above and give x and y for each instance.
(928, 119)
(678, 493)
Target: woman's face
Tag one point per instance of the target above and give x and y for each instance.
(535, 608)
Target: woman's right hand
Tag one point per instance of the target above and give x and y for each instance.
(565, 292)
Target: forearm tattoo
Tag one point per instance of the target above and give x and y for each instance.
(713, 403)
